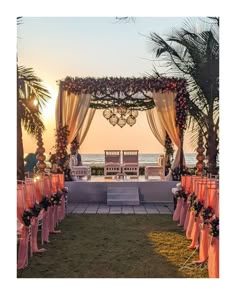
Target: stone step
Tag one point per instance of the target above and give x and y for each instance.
(118, 189)
(122, 196)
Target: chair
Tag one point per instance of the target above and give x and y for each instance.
(130, 162)
(23, 233)
(112, 162)
(158, 170)
(77, 172)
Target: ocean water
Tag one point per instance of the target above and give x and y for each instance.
(144, 159)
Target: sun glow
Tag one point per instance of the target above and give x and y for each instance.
(48, 111)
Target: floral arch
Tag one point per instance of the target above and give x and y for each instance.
(163, 99)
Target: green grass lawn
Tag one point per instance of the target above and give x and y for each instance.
(115, 246)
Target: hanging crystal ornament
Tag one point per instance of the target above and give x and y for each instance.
(122, 110)
(107, 113)
(134, 113)
(114, 111)
(113, 120)
(131, 120)
(122, 121)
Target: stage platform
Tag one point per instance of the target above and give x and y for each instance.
(95, 189)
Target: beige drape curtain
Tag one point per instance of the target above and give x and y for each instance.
(165, 105)
(74, 110)
(85, 127)
(156, 125)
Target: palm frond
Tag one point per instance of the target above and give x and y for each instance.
(30, 87)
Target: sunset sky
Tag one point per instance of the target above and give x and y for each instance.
(56, 47)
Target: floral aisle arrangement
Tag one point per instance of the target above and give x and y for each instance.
(27, 216)
(65, 192)
(177, 173)
(35, 210)
(181, 194)
(61, 156)
(215, 227)
(191, 199)
(45, 203)
(56, 198)
(197, 207)
(207, 214)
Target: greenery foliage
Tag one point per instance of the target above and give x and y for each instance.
(130, 92)
(194, 55)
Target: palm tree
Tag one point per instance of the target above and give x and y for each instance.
(195, 57)
(29, 91)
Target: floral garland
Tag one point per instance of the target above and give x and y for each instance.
(169, 152)
(61, 147)
(27, 216)
(214, 227)
(207, 214)
(45, 203)
(74, 144)
(113, 87)
(197, 207)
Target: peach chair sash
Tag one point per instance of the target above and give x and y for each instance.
(194, 179)
(46, 227)
(183, 214)
(217, 209)
(176, 215)
(213, 258)
(211, 195)
(54, 182)
(188, 179)
(20, 202)
(183, 181)
(47, 186)
(29, 194)
(22, 260)
(61, 181)
(187, 218)
(190, 225)
(200, 188)
(39, 190)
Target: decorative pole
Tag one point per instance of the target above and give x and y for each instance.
(60, 103)
(200, 157)
(40, 153)
(181, 150)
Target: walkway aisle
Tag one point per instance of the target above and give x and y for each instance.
(95, 208)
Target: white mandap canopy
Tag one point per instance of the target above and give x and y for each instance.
(163, 99)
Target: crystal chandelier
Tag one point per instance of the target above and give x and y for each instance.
(120, 116)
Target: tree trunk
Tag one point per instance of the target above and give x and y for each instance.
(181, 151)
(212, 148)
(20, 150)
